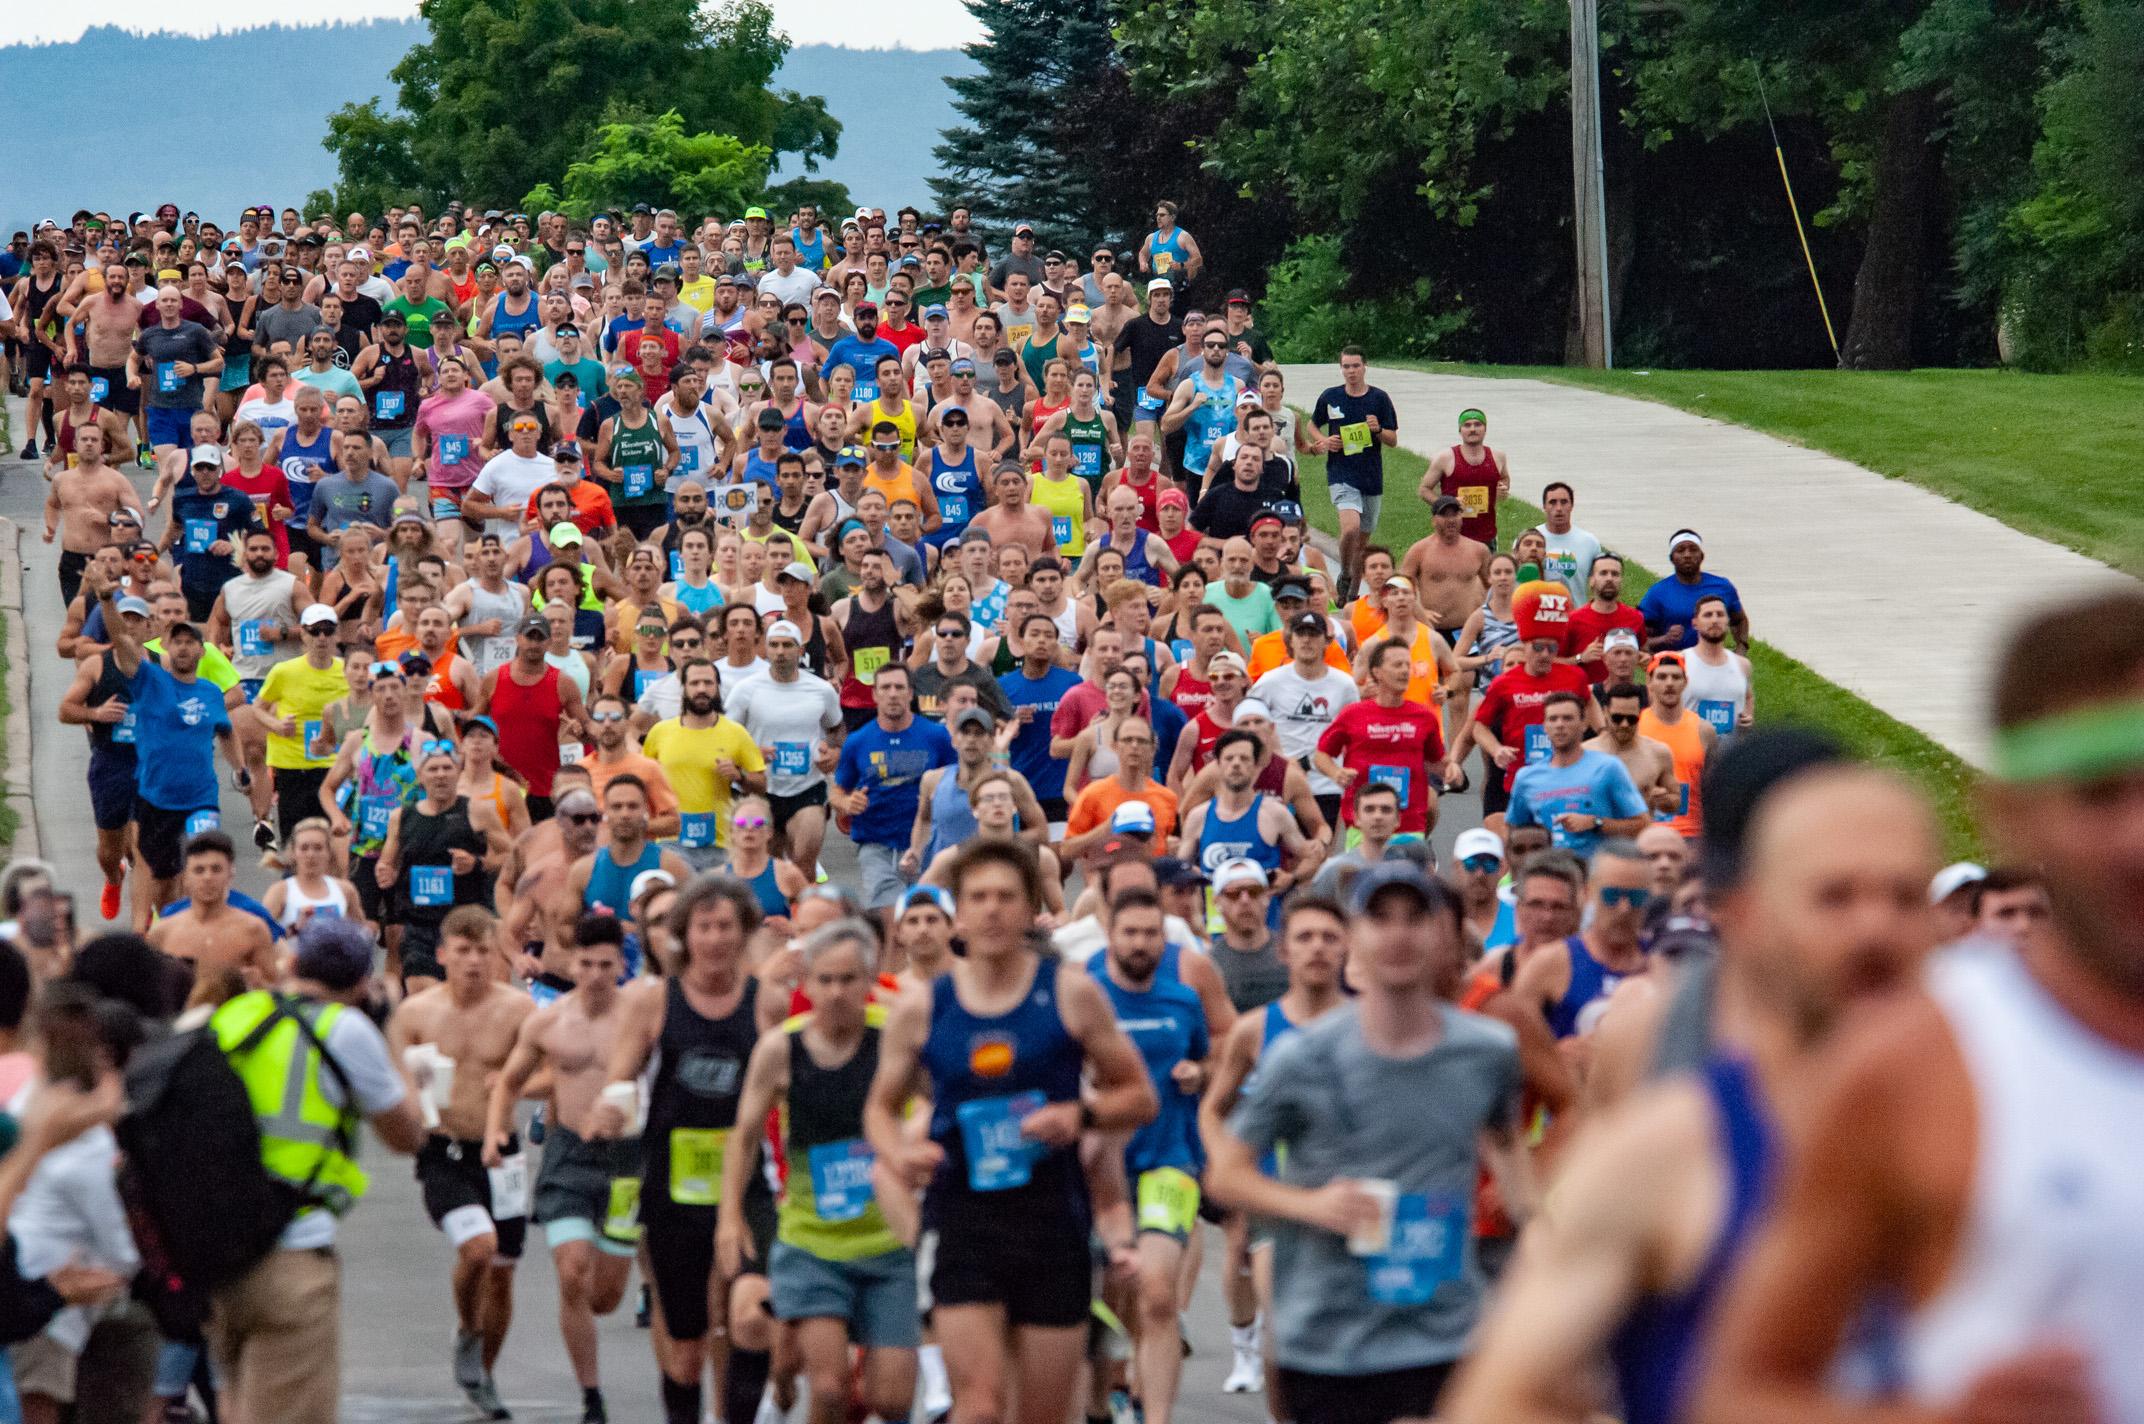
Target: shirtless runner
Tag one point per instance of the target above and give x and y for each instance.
(588, 1192)
(110, 320)
(1450, 571)
(534, 941)
(76, 414)
(79, 506)
(452, 1040)
(1650, 764)
(1012, 520)
(211, 935)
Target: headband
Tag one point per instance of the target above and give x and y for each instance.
(2079, 745)
(1470, 413)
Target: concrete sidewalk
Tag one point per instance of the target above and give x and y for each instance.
(1893, 593)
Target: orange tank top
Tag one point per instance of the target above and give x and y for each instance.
(1686, 744)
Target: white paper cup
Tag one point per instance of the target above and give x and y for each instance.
(625, 1097)
(1377, 1239)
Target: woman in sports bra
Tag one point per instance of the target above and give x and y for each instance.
(774, 882)
(1491, 628)
(486, 778)
(312, 887)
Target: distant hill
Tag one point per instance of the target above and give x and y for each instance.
(892, 105)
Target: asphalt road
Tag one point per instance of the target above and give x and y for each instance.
(398, 1319)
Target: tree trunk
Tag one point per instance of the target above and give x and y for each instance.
(1887, 289)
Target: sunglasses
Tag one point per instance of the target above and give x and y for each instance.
(606, 716)
(1637, 897)
(1242, 892)
(750, 821)
(581, 818)
(1623, 719)
(1481, 864)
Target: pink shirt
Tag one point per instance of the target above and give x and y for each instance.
(454, 424)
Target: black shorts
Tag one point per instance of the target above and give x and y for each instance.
(785, 808)
(118, 395)
(71, 566)
(163, 837)
(1329, 808)
(1494, 797)
(419, 953)
(1363, 1399)
(541, 808)
(643, 519)
(1056, 810)
(200, 602)
(297, 796)
(304, 543)
(37, 361)
(1041, 1275)
(370, 897)
(454, 1178)
(856, 718)
(111, 787)
(681, 1255)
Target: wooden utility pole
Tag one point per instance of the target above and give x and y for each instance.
(1589, 193)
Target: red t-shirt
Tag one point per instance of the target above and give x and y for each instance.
(267, 489)
(902, 337)
(1512, 703)
(1395, 746)
(1585, 625)
(658, 383)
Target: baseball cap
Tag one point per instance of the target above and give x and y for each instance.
(316, 614)
(769, 418)
(1403, 581)
(1078, 312)
(123, 515)
(1252, 707)
(1310, 621)
(566, 452)
(1172, 496)
(955, 415)
(536, 622)
(133, 603)
(1132, 817)
(1291, 588)
(1446, 504)
(1237, 297)
(969, 716)
(1953, 878)
(1239, 872)
(565, 532)
(334, 952)
(1619, 638)
(1026, 227)
(871, 307)
(783, 628)
(938, 309)
(1175, 874)
(1404, 874)
(206, 455)
(1161, 284)
(755, 212)
(1227, 659)
(502, 253)
(930, 897)
(393, 318)
(653, 878)
(852, 455)
(1478, 841)
(566, 328)
(802, 574)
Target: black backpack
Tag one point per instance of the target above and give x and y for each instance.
(204, 1208)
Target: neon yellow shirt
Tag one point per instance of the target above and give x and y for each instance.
(302, 693)
(688, 756)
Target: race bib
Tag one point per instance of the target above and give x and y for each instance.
(696, 1165)
(309, 738)
(568, 753)
(841, 1179)
(252, 643)
(1087, 461)
(1427, 1249)
(677, 566)
(510, 1188)
(1181, 648)
(167, 377)
(431, 885)
(123, 730)
(1537, 747)
(621, 1213)
(869, 661)
(688, 459)
(696, 829)
(453, 449)
(1720, 714)
(866, 390)
(200, 533)
(1168, 1201)
(639, 479)
(1399, 778)
(99, 388)
(1148, 401)
(999, 1158)
(1474, 499)
(374, 815)
(1163, 261)
(953, 508)
(1355, 438)
(792, 758)
(201, 821)
(389, 405)
(1061, 531)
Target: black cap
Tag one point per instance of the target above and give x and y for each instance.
(769, 418)
(642, 208)
(1310, 621)
(1291, 588)
(1238, 298)
(393, 318)
(1172, 873)
(1445, 504)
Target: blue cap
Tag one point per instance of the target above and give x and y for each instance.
(1403, 874)
(934, 309)
(962, 366)
(930, 895)
(485, 722)
(852, 455)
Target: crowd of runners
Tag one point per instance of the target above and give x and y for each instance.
(824, 766)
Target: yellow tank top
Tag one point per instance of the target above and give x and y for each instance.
(905, 417)
(1065, 501)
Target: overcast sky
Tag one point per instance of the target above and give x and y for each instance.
(861, 24)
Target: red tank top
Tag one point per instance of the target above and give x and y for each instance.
(1149, 493)
(1191, 696)
(1474, 486)
(528, 718)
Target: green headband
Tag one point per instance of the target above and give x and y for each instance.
(2081, 745)
(1470, 413)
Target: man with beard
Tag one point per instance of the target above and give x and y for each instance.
(794, 718)
(1602, 613)
(862, 352)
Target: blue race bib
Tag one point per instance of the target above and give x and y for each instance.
(200, 533)
(1720, 714)
(388, 405)
(1537, 747)
(309, 735)
(688, 459)
(792, 758)
(251, 642)
(431, 885)
(1061, 529)
(453, 449)
(999, 1158)
(1399, 778)
(99, 388)
(167, 377)
(841, 1179)
(866, 390)
(677, 565)
(1148, 400)
(696, 828)
(123, 729)
(374, 815)
(1181, 648)
(639, 479)
(953, 508)
(1087, 460)
(201, 821)
(1427, 1249)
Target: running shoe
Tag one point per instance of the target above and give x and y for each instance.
(468, 1361)
(485, 1398)
(108, 903)
(29, 451)
(263, 833)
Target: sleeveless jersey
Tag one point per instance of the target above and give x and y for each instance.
(1719, 694)
(692, 1102)
(1064, 501)
(631, 448)
(696, 447)
(873, 639)
(524, 321)
(959, 488)
(1474, 486)
(303, 460)
(828, 1208)
(1212, 417)
(1090, 448)
(1687, 747)
(952, 819)
(1591, 983)
(528, 720)
(425, 845)
(394, 399)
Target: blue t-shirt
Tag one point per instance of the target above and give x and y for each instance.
(1671, 601)
(175, 726)
(1338, 413)
(1594, 785)
(202, 520)
(860, 356)
(1031, 745)
(889, 765)
(1168, 721)
(1167, 1024)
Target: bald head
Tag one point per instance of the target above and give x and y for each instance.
(1833, 905)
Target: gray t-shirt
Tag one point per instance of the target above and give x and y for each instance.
(280, 323)
(160, 347)
(1346, 1111)
(1570, 558)
(339, 502)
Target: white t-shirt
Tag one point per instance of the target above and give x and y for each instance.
(1302, 709)
(509, 479)
(786, 716)
(1570, 558)
(796, 287)
(270, 416)
(731, 678)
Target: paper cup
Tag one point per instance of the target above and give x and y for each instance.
(1378, 1238)
(625, 1097)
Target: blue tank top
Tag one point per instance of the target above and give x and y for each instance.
(1170, 247)
(810, 255)
(768, 891)
(1653, 1350)
(796, 435)
(976, 1059)
(759, 467)
(1277, 1027)
(699, 601)
(1591, 982)
(504, 320)
(1222, 841)
(952, 818)
(959, 491)
(1211, 418)
(610, 885)
(302, 462)
(1136, 566)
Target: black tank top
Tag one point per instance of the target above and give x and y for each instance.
(699, 1076)
(398, 374)
(35, 299)
(426, 841)
(794, 523)
(814, 657)
(109, 685)
(827, 1104)
(866, 629)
